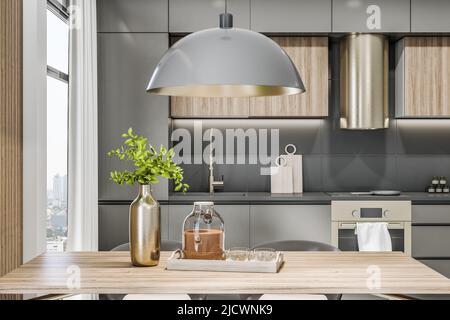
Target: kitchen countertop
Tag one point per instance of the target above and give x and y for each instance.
(428, 198)
(252, 197)
(312, 198)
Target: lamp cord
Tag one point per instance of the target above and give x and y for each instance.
(226, 6)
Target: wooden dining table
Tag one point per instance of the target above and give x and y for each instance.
(392, 273)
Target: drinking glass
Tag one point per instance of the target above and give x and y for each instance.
(238, 254)
(263, 254)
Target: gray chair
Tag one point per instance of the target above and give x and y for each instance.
(166, 245)
(297, 245)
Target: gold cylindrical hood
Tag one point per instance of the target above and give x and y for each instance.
(364, 82)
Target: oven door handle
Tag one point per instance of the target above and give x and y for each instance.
(391, 225)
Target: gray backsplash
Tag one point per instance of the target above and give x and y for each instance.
(404, 157)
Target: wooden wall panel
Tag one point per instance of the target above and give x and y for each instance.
(10, 135)
(310, 56)
(182, 107)
(426, 77)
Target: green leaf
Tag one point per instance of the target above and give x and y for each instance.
(149, 164)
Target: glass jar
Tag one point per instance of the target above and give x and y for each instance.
(435, 181)
(203, 233)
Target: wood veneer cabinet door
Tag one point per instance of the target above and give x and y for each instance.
(310, 56)
(186, 107)
(423, 77)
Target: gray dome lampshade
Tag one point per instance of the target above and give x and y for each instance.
(226, 62)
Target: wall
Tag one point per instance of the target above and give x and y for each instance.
(34, 128)
(10, 135)
(404, 157)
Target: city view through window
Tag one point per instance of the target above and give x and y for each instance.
(57, 125)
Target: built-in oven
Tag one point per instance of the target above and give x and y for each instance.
(346, 214)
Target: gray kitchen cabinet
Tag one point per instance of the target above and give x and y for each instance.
(286, 16)
(113, 225)
(430, 241)
(236, 218)
(430, 16)
(289, 222)
(431, 214)
(371, 16)
(125, 64)
(186, 16)
(431, 236)
(132, 15)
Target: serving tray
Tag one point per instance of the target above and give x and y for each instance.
(176, 263)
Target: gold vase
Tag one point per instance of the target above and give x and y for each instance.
(145, 229)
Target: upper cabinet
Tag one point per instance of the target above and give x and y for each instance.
(310, 56)
(186, 16)
(132, 15)
(423, 77)
(287, 16)
(371, 15)
(204, 108)
(430, 16)
(125, 62)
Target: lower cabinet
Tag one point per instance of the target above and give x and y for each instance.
(245, 225)
(431, 214)
(430, 241)
(431, 236)
(290, 222)
(249, 225)
(236, 218)
(113, 225)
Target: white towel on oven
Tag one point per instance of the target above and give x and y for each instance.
(373, 236)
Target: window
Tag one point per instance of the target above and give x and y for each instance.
(57, 123)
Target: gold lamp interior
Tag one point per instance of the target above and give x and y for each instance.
(221, 91)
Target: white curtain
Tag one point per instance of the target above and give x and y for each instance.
(83, 133)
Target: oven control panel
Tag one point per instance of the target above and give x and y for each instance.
(371, 211)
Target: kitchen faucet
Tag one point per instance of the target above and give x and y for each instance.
(213, 185)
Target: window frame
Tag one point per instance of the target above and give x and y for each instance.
(62, 13)
(59, 9)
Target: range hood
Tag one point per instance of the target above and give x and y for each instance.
(364, 82)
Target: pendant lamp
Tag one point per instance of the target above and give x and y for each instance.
(226, 62)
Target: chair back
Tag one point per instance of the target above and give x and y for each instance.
(166, 245)
(301, 245)
(297, 245)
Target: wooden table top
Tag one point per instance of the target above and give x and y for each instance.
(303, 272)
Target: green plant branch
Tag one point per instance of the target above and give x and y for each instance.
(150, 164)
